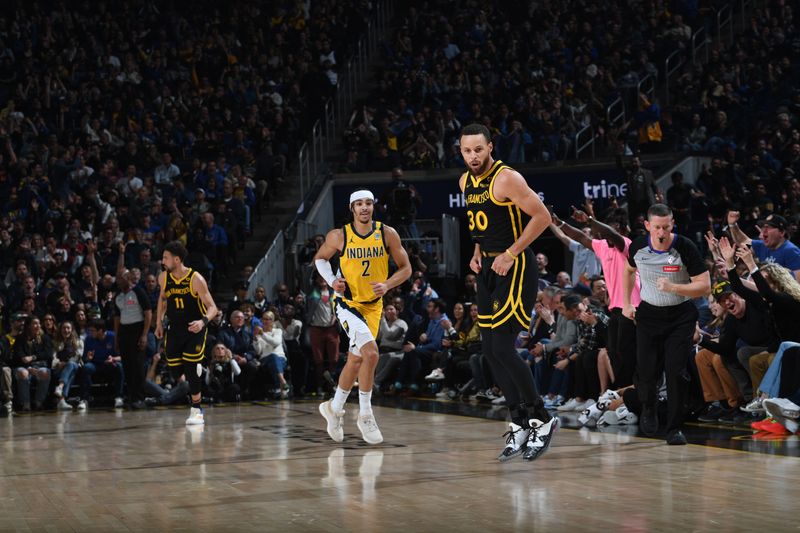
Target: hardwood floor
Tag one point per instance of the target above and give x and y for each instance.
(273, 467)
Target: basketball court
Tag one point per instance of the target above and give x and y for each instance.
(272, 467)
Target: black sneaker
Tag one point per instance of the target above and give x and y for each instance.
(539, 438)
(648, 422)
(711, 414)
(676, 438)
(137, 405)
(729, 416)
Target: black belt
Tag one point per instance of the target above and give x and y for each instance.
(492, 254)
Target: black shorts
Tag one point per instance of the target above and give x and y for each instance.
(184, 346)
(507, 300)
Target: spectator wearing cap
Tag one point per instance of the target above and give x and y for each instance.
(747, 331)
(774, 245)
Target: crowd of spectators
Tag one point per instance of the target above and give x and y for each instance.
(125, 125)
(535, 73)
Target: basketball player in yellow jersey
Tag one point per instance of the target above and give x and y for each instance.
(505, 216)
(363, 248)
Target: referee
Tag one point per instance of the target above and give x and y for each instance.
(672, 273)
(132, 318)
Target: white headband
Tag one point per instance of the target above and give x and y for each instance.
(363, 194)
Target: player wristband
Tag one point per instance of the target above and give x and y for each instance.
(205, 320)
(512, 256)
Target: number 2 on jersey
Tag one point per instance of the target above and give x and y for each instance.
(365, 264)
(478, 219)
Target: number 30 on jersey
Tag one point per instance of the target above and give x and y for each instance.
(478, 219)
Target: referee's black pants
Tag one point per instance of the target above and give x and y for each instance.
(133, 359)
(664, 344)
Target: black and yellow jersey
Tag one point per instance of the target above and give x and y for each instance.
(183, 305)
(494, 225)
(364, 260)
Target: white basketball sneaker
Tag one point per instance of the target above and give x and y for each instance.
(333, 419)
(369, 429)
(195, 417)
(516, 442)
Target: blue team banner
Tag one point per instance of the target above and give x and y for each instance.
(559, 188)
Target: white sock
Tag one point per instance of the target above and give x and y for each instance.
(339, 399)
(364, 402)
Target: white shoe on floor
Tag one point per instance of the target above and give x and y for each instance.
(119, 403)
(590, 415)
(334, 420)
(195, 417)
(571, 405)
(83, 405)
(625, 417)
(369, 429)
(63, 405)
(435, 375)
(552, 403)
(781, 407)
(499, 401)
(443, 394)
(606, 398)
(609, 418)
(755, 406)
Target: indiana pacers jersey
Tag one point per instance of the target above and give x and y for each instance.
(364, 260)
(493, 224)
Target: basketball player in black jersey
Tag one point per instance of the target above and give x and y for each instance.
(189, 307)
(505, 216)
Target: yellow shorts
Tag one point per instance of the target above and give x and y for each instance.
(360, 321)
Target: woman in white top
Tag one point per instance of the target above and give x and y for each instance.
(269, 348)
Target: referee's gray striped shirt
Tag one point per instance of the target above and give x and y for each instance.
(678, 265)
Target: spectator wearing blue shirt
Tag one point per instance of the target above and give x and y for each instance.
(101, 359)
(420, 355)
(211, 173)
(773, 246)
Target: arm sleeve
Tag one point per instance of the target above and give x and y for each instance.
(738, 287)
(141, 296)
(635, 246)
(575, 246)
(691, 257)
(792, 257)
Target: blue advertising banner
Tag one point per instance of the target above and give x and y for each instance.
(559, 188)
